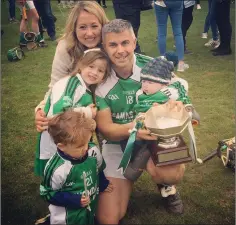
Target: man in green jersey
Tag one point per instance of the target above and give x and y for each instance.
(115, 119)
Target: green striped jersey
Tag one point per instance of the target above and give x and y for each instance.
(176, 91)
(118, 94)
(62, 175)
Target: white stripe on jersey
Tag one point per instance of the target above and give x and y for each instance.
(171, 92)
(95, 152)
(138, 93)
(57, 214)
(60, 174)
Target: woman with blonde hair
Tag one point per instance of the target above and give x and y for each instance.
(82, 32)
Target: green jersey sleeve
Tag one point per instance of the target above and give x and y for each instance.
(101, 103)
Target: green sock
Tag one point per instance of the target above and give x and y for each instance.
(39, 37)
(22, 38)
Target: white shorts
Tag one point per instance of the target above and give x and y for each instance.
(112, 155)
(28, 5)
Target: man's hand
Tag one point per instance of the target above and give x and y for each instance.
(41, 121)
(144, 134)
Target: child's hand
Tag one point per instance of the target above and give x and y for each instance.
(93, 109)
(84, 201)
(109, 187)
(155, 104)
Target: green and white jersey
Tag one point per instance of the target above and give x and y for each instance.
(66, 176)
(68, 92)
(176, 91)
(68, 88)
(118, 94)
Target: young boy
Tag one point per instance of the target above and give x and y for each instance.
(74, 176)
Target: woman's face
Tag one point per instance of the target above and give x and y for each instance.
(88, 30)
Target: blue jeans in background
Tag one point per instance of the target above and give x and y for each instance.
(211, 20)
(175, 14)
(12, 8)
(44, 10)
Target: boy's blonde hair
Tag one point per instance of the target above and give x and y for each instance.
(74, 47)
(89, 57)
(71, 127)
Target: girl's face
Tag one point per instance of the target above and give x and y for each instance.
(94, 72)
(149, 87)
(88, 30)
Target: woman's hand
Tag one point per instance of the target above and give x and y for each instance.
(41, 121)
(84, 201)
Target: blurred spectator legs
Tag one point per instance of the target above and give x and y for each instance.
(103, 3)
(12, 11)
(130, 12)
(187, 19)
(47, 18)
(198, 4)
(222, 11)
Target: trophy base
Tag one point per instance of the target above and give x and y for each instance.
(163, 156)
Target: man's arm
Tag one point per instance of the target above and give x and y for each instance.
(112, 131)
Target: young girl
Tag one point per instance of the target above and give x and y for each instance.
(73, 92)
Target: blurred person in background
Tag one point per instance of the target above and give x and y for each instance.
(103, 3)
(187, 19)
(29, 12)
(44, 10)
(222, 12)
(174, 9)
(210, 21)
(12, 11)
(198, 4)
(129, 10)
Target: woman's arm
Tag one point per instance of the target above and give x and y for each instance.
(61, 67)
(62, 63)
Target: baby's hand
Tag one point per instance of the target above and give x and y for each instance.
(84, 201)
(109, 187)
(155, 104)
(93, 109)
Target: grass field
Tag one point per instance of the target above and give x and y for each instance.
(207, 190)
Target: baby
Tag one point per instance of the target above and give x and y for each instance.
(159, 85)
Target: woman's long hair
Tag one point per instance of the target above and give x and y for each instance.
(74, 47)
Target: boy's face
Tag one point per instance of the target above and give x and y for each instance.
(94, 72)
(120, 48)
(150, 87)
(75, 150)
